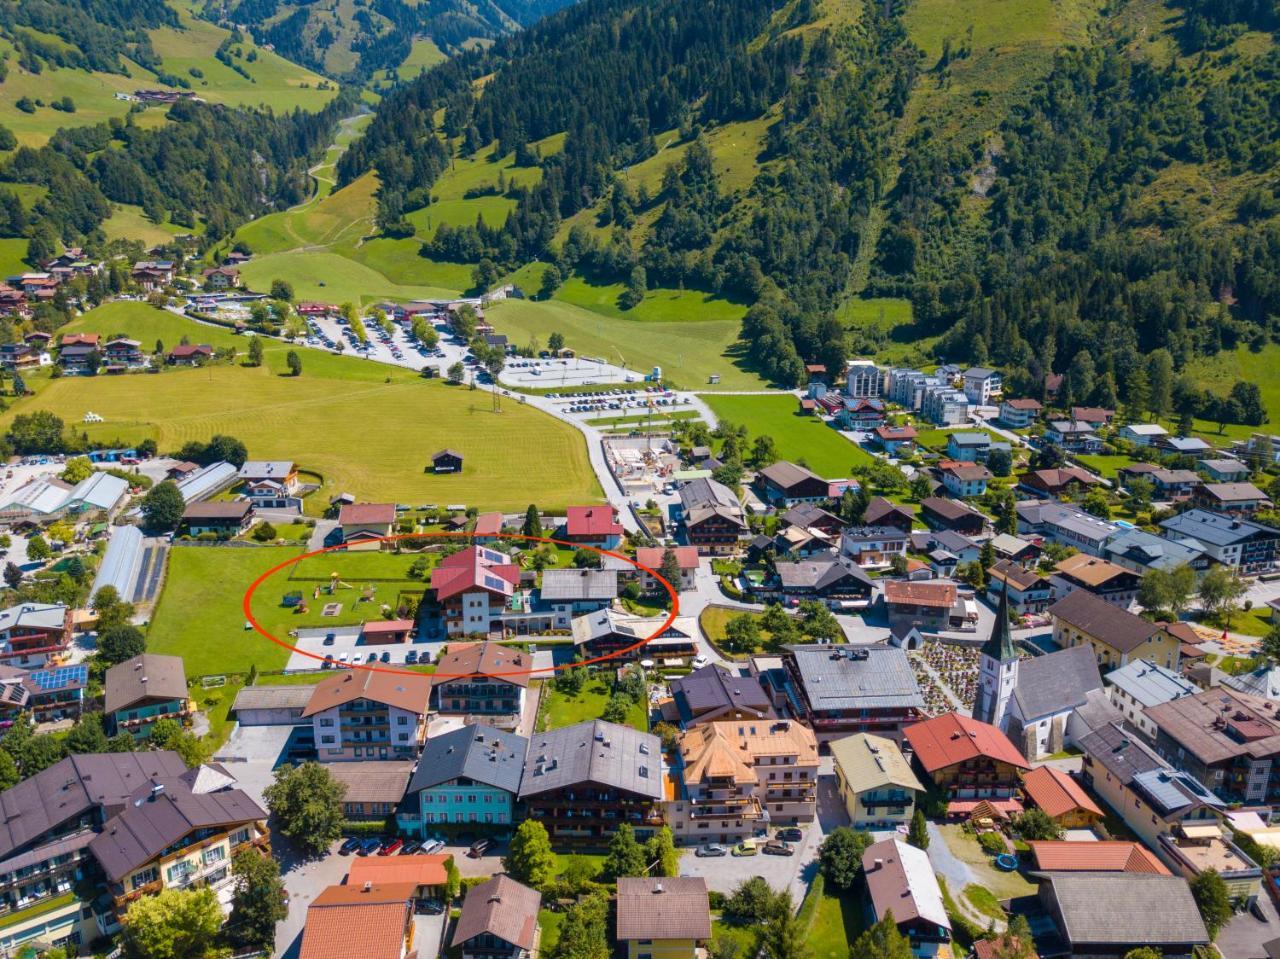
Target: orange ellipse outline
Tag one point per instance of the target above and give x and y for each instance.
(247, 600)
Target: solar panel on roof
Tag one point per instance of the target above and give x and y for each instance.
(494, 582)
(61, 676)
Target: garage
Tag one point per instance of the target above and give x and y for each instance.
(271, 705)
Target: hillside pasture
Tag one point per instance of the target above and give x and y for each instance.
(364, 427)
(797, 437)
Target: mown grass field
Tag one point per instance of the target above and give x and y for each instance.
(1219, 373)
(364, 427)
(214, 579)
(798, 438)
(659, 306)
(12, 256)
(128, 222)
(276, 82)
(688, 351)
(94, 95)
(562, 709)
(423, 55)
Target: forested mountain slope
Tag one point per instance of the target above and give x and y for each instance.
(355, 41)
(1053, 185)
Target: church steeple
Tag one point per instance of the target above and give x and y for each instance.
(999, 645)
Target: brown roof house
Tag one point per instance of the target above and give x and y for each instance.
(392, 704)
(223, 519)
(144, 689)
(364, 524)
(901, 881)
(499, 920)
(671, 916)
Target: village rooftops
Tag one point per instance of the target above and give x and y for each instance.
(1220, 724)
(266, 469)
(569, 585)
(870, 762)
(149, 676)
(949, 509)
(1060, 681)
(74, 787)
(1148, 684)
(1213, 528)
(715, 687)
(785, 475)
(901, 881)
(33, 616)
(167, 809)
(932, 594)
(400, 688)
(1103, 621)
(1124, 908)
(1089, 570)
(476, 753)
(368, 920)
(651, 556)
(503, 908)
(594, 751)
(476, 568)
(952, 738)
(592, 521)
(217, 509)
(668, 908)
(1055, 792)
(508, 664)
(1101, 856)
(371, 514)
(856, 677)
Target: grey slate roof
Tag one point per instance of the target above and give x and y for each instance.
(820, 572)
(1147, 549)
(567, 585)
(272, 697)
(714, 687)
(856, 677)
(593, 752)
(1120, 752)
(1056, 682)
(478, 753)
(1150, 684)
(1126, 908)
(1214, 528)
(1169, 790)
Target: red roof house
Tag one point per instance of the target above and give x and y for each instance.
(1061, 798)
(973, 761)
(593, 526)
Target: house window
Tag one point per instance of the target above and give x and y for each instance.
(240, 836)
(213, 854)
(326, 721)
(402, 720)
(140, 879)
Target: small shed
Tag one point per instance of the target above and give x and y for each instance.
(446, 461)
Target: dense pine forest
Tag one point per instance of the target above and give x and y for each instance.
(1041, 244)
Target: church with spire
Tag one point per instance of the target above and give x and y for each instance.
(1034, 700)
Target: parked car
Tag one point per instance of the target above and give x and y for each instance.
(776, 847)
(790, 834)
(350, 846)
(411, 657)
(430, 907)
(479, 848)
(409, 848)
(711, 849)
(391, 847)
(369, 846)
(747, 847)
(701, 661)
(431, 847)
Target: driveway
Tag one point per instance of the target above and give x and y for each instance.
(1243, 936)
(304, 879)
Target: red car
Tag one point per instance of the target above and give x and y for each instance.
(391, 848)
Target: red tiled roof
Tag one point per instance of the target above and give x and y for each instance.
(651, 556)
(951, 738)
(1107, 856)
(373, 514)
(191, 349)
(1024, 404)
(76, 339)
(383, 870)
(892, 433)
(348, 921)
(475, 567)
(1056, 792)
(592, 521)
(941, 595)
(488, 524)
(387, 626)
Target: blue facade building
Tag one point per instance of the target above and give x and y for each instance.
(470, 775)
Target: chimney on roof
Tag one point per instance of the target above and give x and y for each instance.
(657, 887)
(368, 886)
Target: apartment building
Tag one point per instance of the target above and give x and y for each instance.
(736, 776)
(368, 714)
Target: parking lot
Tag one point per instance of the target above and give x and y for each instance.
(568, 373)
(343, 644)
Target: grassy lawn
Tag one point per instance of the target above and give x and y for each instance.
(276, 82)
(12, 256)
(216, 703)
(714, 619)
(798, 437)
(1000, 885)
(561, 709)
(658, 306)
(364, 427)
(1251, 622)
(746, 936)
(1220, 372)
(1102, 464)
(213, 580)
(423, 55)
(982, 899)
(129, 223)
(834, 921)
(550, 923)
(344, 280)
(688, 351)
